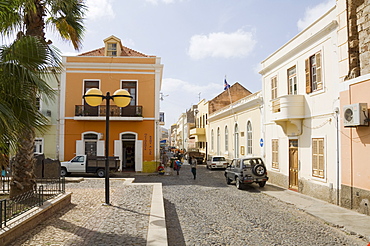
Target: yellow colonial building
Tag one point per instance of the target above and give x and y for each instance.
(133, 129)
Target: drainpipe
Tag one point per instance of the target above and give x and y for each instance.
(336, 110)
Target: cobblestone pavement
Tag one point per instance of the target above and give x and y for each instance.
(87, 222)
(206, 211)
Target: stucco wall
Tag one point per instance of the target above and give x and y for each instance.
(355, 144)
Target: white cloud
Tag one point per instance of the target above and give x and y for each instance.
(180, 95)
(314, 13)
(176, 85)
(155, 2)
(98, 9)
(226, 45)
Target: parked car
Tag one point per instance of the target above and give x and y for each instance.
(244, 171)
(217, 162)
(91, 164)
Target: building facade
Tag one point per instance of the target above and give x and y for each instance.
(301, 97)
(198, 131)
(355, 102)
(234, 131)
(134, 129)
(46, 142)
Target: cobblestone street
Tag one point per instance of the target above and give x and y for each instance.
(206, 211)
(87, 222)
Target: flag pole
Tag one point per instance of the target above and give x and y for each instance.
(231, 102)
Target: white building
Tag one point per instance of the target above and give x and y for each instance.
(301, 98)
(235, 130)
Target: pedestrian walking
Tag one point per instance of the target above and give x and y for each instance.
(177, 166)
(194, 165)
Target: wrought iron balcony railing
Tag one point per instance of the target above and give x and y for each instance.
(129, 111)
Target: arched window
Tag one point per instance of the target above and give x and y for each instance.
(226, 139)
(91, 144)
(212, 141)
(218, 141)
(236, 141)
(249, 138)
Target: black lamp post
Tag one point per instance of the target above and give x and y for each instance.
(94, 97)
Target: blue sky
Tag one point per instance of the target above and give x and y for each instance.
(199, 41)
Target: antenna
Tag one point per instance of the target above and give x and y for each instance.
(199, 96)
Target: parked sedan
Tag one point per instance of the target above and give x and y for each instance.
(246, 171)
(217, 162)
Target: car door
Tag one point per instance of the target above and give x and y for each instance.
(229, 170)
(238, 168)
(78, 164)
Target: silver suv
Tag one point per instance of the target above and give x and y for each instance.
(246, 171)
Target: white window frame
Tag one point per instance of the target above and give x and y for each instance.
(39, 145)
(249, 138)
(292, 80)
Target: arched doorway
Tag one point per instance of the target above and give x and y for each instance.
(128, 151)
(90, 144)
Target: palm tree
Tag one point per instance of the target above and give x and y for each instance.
(66, 17)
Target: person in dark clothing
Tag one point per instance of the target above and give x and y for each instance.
(194, 165)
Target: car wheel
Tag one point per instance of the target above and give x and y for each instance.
(228, 181)
(238, 184)
(262, 184)
(63, 172)
(101, 173)
(259, 170)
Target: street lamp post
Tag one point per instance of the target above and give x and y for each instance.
(94, 97)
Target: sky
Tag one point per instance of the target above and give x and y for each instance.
(200, 42)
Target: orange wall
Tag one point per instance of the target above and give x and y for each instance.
(355, 141)
(144, 129)
(109, 82)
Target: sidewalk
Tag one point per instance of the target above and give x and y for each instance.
(348, 220)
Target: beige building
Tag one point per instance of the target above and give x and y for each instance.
(233, 126)
(198, 132)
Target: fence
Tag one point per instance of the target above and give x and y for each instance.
(45, 190)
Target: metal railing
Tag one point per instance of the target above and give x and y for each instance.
(45, 190)
(129, 111)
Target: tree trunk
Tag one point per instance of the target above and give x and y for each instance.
(34, 21)
(23, 179)
(24, 162)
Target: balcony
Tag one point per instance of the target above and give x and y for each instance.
(84, 111)
(288, 112)
(198, 131)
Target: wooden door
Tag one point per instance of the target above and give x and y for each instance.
(293, 164)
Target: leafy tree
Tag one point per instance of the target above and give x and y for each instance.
(25, 62)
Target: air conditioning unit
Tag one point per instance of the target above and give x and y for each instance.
(355, 115)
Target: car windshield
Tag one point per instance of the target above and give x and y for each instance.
(219, 158)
